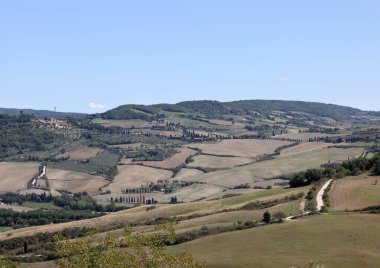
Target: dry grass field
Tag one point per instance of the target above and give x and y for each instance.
(328, 240)
(241, 147)
(355, 192)
(303, 136)
(15, 176)
(301, 161)
(193, 193)
(131, 176)
(140, 214)
(187, 172)
(304, 147)
(289, 208)
(81, 153)
(232, 177)
(210, 161)
(172, 162)
(259, 173)
(75, 181)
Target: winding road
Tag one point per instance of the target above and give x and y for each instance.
(320, 195)
(319, 203)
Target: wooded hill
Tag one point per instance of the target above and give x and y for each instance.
(213, 109)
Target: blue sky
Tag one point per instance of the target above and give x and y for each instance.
(77, 54)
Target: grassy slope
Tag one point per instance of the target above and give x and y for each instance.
(332, 240)
(139, 215)
(355, 192)
(302, 161)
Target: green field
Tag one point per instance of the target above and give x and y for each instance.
(329, 240)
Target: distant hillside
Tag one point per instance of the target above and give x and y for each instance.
(42, 113)
(319, 109)
(214, 109)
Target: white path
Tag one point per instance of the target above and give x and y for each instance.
(320, 195)
(34, 182)
(303, 202)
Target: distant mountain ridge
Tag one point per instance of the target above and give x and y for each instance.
(42, 113)
(216, 108)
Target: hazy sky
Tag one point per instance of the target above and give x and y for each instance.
(86, 55)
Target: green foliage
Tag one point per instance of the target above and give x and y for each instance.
(214, 109)
(19, 134)
(9, 217)
(77, 201)
(130, 250)
(320, 109)
(4, 263)
(132, 112)
(157, 154)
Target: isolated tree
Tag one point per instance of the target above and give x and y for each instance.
(267, 217)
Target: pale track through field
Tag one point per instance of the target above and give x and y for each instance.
(319, 202)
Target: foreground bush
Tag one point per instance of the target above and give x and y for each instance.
(130, 250)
